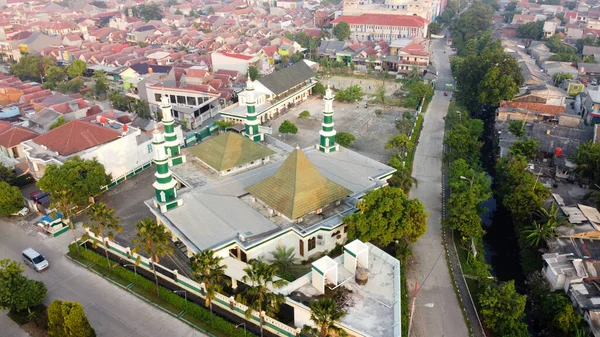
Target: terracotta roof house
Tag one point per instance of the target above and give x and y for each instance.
(11, 150)
(113, 144)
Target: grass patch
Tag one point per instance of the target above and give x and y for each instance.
(205, 326)
(150, 295)
(403, 301)
(102, 271)
(35, 324)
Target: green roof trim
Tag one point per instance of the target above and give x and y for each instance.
(297, 188)
(229, 150)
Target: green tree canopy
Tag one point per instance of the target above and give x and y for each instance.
(517, 128)
(67, 319)
(385, 215)
(153, 239)
(55, 74)
(58, 122)
(531, 30)
(17, 292)
(288, 127)
(503, 309)
(148, 11)
(587, 159)
(32, 68)
(318, 89)
(101, 85)
(344, 139)
(118, 100)
(351, 94)
(526, 147)
(324, 313)
(400, 142)
(470, 23)
(342, 31)
(463, 140)
(253, 73)
(7, 174)
(77, 68)
(11, 200)
(209, 270)
(142, 109)
(72, 86)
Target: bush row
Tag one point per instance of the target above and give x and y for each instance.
(194, 310)
(414, 138)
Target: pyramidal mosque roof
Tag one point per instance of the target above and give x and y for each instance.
(297, 188)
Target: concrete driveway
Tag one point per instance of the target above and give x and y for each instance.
(428, 265)
(111, 310)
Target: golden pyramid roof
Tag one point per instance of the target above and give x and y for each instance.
(297, 188)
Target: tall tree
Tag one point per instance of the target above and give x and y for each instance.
(324, 314)
(342, 31)
(55, 74)
(153, 239)
(142, 109)
(118, 100)
(503, 309)
(11, 200)
(260, 277)
(7, 174)
(209, 270)
(253, 73)
(72, 185)
(400, 142)
(283, 257)
(526, 147)
(17, 292)
(101, 85)
(386, 214)
(103, 222)
(345, 139)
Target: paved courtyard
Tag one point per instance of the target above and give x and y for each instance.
(371, 131)
(127, 199)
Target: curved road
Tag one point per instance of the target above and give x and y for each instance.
(428, 266)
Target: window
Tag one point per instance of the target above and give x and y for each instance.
(191, 100)
(176, 114)
(149, 147)
(181, 99)
(157, 97)
(196, 113)
(312, 243)
(173, 99)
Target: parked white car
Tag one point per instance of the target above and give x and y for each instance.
(34, 259)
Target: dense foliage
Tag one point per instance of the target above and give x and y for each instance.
(11, 200)
(342, 31)
(17, 292)
(67, 319)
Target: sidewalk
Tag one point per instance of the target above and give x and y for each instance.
(9, 327)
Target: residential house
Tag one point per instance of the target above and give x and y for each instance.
(140, 34)
(38, 41)
(235, 62)
(384, 26)
(119, 147)
(591, 51)
(11, 137)
(405, 54)
(290, 4)
(73, 39)
(550, 27)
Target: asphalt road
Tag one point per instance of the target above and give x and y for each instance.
(111, 310)
(428, 266)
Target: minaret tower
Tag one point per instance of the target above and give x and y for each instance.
(165, 186)
(172, 146)
(251, 125)
(327, 140)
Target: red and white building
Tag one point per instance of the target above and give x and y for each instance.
(384, 26)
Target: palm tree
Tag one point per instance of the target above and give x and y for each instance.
(154, 240)
(538, 233)
(414, 72)
(551, 215)
(63, 203)
(207, 269)
(283, 257)
(103, 219)
(324, 313)
(403, 179)
(259, 277)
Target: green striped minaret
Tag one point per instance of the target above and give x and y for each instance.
(251, 125)
(327, 134)
(172, 146)
(165, 186)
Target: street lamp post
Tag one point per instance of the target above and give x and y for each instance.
(184, 294)
(244, 324)
(471, 180)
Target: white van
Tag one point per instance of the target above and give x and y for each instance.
(35, 259)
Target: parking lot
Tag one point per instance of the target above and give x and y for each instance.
(127, 199)
(370, 130)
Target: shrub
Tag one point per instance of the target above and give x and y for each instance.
(378, 112)
(304, 114)
(193, 309)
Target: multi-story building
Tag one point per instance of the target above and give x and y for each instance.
(405, 54)
(424, 8)
(388, 27)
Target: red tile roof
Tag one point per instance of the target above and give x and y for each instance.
(14, 135)
(538, 107)
(384, 20)
(239, 56)
(76, 136)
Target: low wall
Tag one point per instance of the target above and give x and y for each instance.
(225, 302)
